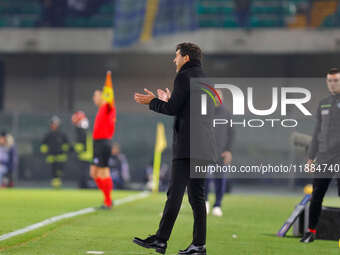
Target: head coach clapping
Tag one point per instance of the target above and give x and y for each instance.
(177, 103)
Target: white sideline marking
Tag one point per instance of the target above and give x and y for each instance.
(70, 215)
(95, 252)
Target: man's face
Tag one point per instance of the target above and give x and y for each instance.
(97, 97)
(54, 126)
(333, 83)
(179, 60)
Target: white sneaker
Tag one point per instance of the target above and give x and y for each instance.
(217, 211)
(207, 206)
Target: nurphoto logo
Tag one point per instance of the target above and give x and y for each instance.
(240, 101)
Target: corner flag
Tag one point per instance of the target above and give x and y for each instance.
(160, 145)
(108, 94)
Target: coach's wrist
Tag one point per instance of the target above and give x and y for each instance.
(152, 102)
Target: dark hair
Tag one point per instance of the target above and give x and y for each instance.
(3, 133)
(334, 71)
(192, 50)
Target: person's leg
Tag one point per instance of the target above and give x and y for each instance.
(106, 183)
(54, 168)
(10, 174)
(320, 186)
(196, 193)
(93, 166)
(94, 175)
(60, 173)
(56, 173)
(60, 169)
(102, 177)
(178, 182)
(1, 176)
(83, 180)
(7, 178)
(220, 184)
(100, 171)
(4, 182)
(207, 189)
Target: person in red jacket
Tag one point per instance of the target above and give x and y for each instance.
(103, 131)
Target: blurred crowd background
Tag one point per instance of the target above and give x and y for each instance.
(210, 13)
(54, 54)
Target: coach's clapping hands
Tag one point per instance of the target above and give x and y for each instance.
(146, 98)
(164, 95)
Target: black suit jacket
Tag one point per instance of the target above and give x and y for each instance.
(179, 106)
(325, 144)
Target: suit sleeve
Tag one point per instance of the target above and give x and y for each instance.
(313, 148)
(178, 98)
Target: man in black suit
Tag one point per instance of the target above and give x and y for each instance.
(177, 103)
(324, 151)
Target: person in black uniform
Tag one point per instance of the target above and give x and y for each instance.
(177, 103)
(56, 146)
(324, 149)
(83, 146)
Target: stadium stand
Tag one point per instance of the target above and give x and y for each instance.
(19, 13)
(211, 13)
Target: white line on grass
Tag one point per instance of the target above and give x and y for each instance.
(95, 252)
(70, 215)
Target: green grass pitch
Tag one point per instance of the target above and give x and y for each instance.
(252, 219)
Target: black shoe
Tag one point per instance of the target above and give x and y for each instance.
(152, 242)
(104, 207)
(308, 237)
(194, 250)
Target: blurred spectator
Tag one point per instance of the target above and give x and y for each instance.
(242, 8)
(54, 13)
(83, 146)
(84, 7)
(55, 145)
(13, 158)
(77, 5)
(8, 159)
(119, 167)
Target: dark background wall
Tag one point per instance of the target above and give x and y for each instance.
(37, 86)
(63, 83)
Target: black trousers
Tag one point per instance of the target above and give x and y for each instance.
(83, 167)
(57, 169)
(179, 181)
(320, 187)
